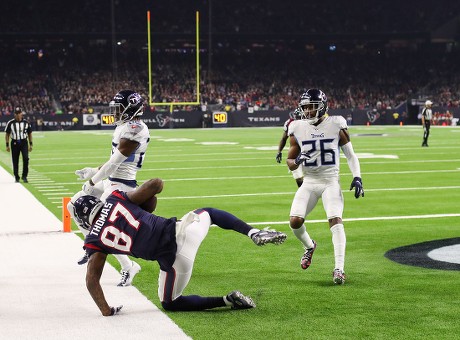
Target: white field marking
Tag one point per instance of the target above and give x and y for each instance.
(288, 176)
(165, 154)
(293, 192)
(449, 254)
(50, 189)
(57, 194)
(380, 218)
(217, 143)
(371, 155)
(266, 166)
(177, 140)
(95, 132)
(241, 159)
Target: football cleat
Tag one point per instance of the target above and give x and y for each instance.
(268, 236)
(127, 276)
(84, 259)
(239, 301)
(305, 261)
(338, 276)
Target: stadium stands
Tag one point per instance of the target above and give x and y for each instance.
(261, 56)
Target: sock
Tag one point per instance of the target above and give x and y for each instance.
(339, 241)
(227, 303)
(225, 220)
(124, 260)
(303, 236)
(194, 303)
(253, 231)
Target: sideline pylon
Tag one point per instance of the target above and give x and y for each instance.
(66, 221)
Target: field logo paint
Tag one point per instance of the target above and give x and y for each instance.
(439, 254)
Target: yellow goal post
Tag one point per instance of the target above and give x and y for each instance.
(197, 60)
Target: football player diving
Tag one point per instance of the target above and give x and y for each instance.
(314, 145)
(124, 224)
(129, 145)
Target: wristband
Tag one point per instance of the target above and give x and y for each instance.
(30, 143)
(7, 145)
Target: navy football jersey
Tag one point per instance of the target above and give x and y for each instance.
(122, 227)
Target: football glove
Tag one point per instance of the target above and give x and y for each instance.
(357, 183)
(88, 188)
(85, 173)
(279, 157)
(115, 310)
(303, 156)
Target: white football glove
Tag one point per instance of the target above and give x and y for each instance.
(86, 173)
(88, 188)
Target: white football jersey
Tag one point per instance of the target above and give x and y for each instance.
(287, 124)
(137, 131)
(322, 142)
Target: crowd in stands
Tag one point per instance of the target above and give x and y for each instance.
(265, 81)
(77, 74)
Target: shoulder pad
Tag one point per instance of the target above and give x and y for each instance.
(132, 131)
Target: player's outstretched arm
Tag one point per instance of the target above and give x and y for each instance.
(93, 275)
(119, 155)
(145, 195)
(353, 163)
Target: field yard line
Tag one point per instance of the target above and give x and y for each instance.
(43, 293)
(262, 166)
(293, 192)
(379, 218)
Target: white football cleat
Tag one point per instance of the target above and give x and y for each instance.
(127, 276)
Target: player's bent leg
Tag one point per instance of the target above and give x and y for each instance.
(172, 283)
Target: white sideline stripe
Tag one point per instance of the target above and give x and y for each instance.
(379, 218)
(43, 293)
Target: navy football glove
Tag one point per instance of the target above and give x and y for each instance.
(279, 157)
(357, 183)
(303, 156)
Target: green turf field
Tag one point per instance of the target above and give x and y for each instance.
(409, 193)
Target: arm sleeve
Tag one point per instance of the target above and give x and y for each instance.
(352, 159)
(109, 167)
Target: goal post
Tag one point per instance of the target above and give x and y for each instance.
(197, 65)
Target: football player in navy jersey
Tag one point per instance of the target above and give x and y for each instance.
(129, 145)
(315, 143)
(123, 224)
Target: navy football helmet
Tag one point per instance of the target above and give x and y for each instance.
(85, 209)
(126, 105)
(313, 105)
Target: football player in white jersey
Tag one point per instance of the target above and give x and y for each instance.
(314, 144)
(129, 145)
(288, 124)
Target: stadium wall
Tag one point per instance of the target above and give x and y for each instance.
(198, 119)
